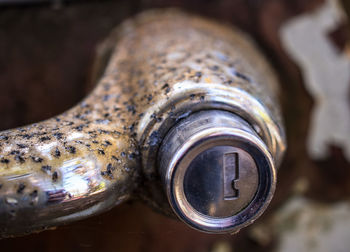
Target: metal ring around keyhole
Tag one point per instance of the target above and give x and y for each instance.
(192, 165)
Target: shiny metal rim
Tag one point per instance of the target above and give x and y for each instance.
(231, 137)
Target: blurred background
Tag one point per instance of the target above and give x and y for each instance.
(47, 52)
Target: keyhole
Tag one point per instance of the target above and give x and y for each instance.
(231, 173)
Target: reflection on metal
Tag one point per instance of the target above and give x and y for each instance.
(164, 67)
(193, 171)
(327, 76)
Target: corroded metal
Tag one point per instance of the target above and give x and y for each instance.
(165, 65)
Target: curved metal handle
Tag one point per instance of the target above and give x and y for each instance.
(71, 166)
(165, 66)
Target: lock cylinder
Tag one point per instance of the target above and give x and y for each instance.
(218, 173)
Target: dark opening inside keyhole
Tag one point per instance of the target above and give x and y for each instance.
(235, 191)
(231, 174)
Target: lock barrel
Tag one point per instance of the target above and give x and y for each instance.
(217, 172)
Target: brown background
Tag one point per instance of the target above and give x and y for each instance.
(46, 60)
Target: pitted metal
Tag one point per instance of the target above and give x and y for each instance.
(165, 65)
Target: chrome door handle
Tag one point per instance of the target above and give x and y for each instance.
(166, 69)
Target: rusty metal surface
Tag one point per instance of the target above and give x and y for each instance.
(164, 66)
(135, 227)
